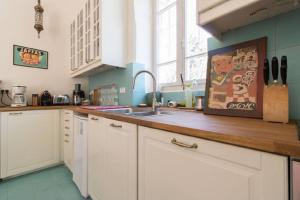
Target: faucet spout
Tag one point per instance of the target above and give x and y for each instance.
(154, 108)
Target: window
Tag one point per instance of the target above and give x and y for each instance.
(181, 43)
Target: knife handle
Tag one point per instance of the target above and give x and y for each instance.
(275, 66)
(266, 71)
(283, 69)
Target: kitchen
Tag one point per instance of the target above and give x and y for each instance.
(149, 100)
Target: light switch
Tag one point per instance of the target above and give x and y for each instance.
(122, 90)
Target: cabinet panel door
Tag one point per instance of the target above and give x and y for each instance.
(168, 171)
(29, 140)
(121, 160)
(96, 158)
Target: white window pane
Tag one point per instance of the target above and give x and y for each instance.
(164, 3)
(196, 37)
(167, 34)
(196, 67)
(167, 73)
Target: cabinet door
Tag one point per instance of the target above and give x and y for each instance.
(73, 65)
(29, 141)
(96, 158)
(121, 160)
(80, 40)
(96, 26)
(177, 167)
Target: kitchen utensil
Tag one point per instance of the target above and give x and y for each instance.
(61, 100)
(283, 70)
(35, 100)
(46, 99)
(276, 96)
(275, 69)
(199, 103)
(266, 71)
(19, 96)
(182, 82)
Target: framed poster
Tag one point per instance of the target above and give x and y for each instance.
(29, 57)
(234, 85)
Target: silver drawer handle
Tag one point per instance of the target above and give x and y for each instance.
(66, 141)
(95, 119)
(116, 126)
(181, 144)
(18, 113)
(67, 127)
(67, 135)
(67, 120)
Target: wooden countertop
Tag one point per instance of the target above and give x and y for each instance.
(256, 134)
(28, 108)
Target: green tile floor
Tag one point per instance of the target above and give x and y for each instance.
(50, 184)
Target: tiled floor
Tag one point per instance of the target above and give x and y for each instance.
(50, 184)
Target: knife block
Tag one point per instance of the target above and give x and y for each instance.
(276, 103)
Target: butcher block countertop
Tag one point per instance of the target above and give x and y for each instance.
(255, 134)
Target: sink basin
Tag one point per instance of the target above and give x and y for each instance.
(129, 111)
(119, 111)
(149, 113)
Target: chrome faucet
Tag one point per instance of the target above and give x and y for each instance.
(154, 108)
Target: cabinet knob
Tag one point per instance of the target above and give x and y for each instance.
(67, 135)
(67, 120)
(181, 144)
(67, 127)
(116, 126)
(66, 141)
(94, 118)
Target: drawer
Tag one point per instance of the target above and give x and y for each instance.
(206, 148)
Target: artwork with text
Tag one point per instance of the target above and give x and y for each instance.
(234, 80)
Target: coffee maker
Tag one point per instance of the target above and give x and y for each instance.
(18, 96)
(78, 95)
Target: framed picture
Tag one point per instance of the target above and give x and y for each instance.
(29, 57)
(234, 85)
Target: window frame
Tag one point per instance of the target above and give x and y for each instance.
(181, 48)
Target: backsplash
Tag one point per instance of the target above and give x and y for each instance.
(283, 33)
(122, 78)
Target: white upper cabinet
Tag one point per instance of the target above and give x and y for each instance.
(98, 37)
(177, 167)
(218, 16)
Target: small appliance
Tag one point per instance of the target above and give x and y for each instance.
(19, 96)
(61, 100)
(78, 95)
(46, 99)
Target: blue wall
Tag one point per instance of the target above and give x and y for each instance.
(122, 78)
(283, 33)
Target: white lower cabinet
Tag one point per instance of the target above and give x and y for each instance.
(112, 158)
(29, 141)
(178, 167)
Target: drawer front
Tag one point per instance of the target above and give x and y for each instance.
(247, 157)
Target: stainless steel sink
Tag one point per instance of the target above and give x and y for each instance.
(129, 111)
(149, 113)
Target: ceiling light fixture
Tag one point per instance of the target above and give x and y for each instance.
(39, 10)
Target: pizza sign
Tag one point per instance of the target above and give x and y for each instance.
(29, 57)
